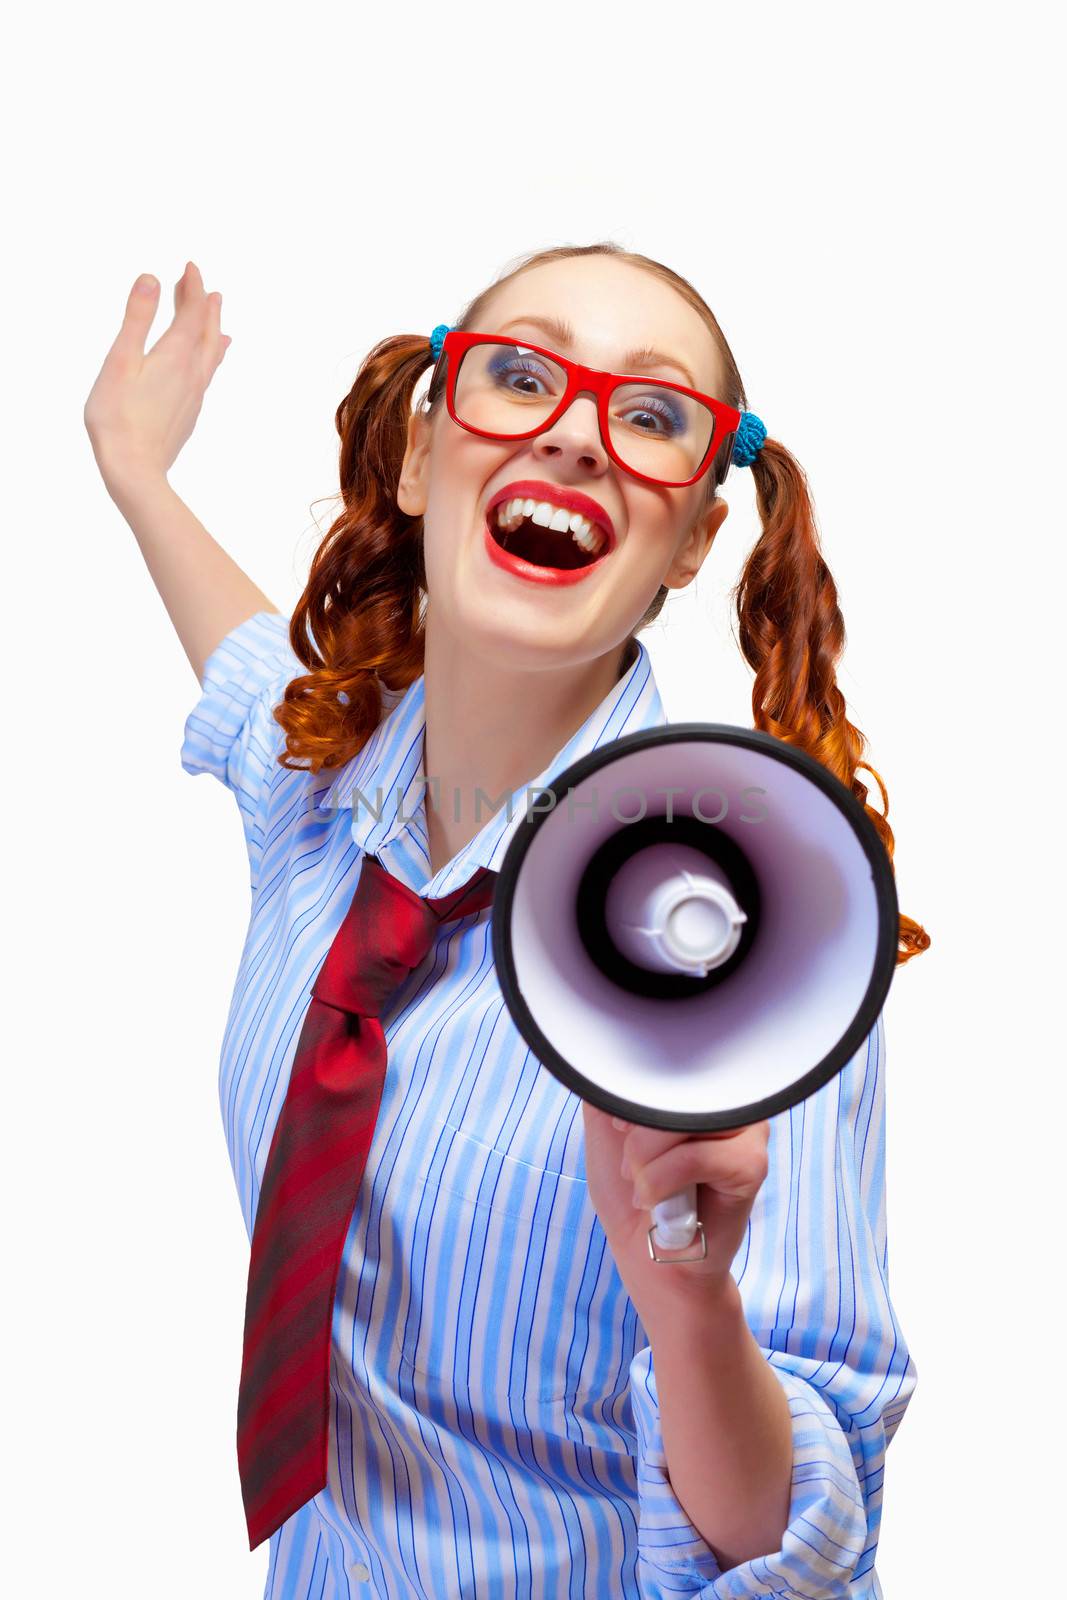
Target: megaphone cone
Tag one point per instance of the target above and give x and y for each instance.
(694, 927)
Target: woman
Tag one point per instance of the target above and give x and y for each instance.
(521, 1401)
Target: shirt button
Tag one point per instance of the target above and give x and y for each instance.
(358, 1570)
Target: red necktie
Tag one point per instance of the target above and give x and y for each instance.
(310, 1183)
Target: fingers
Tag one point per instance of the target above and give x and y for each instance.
(190, 303)
(141, 304)
(213, 341)
(734, 1168)
(645, 1144)
(734, 1155)
(196, 320)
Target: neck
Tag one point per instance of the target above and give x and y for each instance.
(491, 728)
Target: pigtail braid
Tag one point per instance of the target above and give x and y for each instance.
(362, 601)
(791, 632)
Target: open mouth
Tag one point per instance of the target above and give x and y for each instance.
(547, 535)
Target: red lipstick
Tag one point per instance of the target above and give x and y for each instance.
(556, 494)
(526, 569)
(569, 499)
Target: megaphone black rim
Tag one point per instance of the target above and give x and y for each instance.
(882, 969)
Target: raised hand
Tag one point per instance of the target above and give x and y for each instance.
(143, 407)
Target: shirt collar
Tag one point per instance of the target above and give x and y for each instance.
(385, 788)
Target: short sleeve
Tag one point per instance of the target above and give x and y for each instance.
(231, 731)
(812, 1274)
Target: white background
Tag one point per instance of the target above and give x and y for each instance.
(868, 199)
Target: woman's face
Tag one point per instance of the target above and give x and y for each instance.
(450, 476)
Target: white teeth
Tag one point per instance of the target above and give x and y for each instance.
(546, 515)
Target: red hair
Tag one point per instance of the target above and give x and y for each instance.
(363, 604)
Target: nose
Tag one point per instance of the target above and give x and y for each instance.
(574, 438)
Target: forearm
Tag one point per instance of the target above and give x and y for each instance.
(204, 590)
(727, 1431)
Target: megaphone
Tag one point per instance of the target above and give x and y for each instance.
(694, 927)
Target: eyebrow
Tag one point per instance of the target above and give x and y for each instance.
(632, 361)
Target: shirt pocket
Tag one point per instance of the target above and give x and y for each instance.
(515, 1303)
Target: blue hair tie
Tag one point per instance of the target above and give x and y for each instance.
(748, 441)
(437, 338)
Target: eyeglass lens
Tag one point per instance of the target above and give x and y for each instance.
(507, 389)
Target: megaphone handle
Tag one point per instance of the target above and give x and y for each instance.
(674, 1224)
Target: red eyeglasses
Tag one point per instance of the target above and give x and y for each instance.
(660, 432)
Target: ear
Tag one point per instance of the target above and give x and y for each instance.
(411, 489)
(689, 558)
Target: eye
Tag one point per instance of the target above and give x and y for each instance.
(520, 373)
(666, 418)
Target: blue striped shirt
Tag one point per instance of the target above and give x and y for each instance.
(495, 1423)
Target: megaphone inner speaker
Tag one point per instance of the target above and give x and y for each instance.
(703, 840)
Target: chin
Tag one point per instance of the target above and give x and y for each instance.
(515, 643)
(529, 647)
